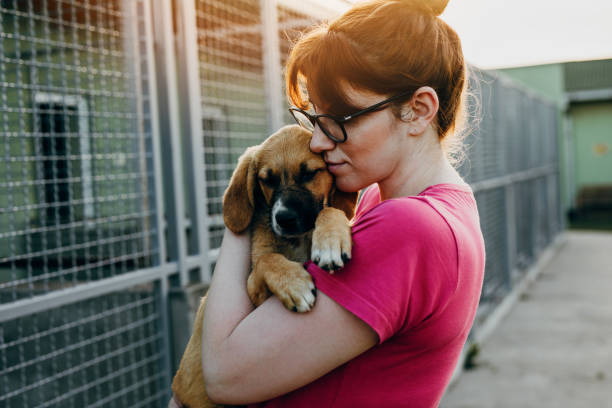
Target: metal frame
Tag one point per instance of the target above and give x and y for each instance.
(26, 307)
(191, 114)
(169, 126)
(590, 95)
(272, 69)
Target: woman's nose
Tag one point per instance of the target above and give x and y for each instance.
(320, 142)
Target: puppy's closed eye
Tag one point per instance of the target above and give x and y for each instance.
(307, 174)
(269, 178)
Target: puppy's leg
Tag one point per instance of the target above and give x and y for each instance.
(331, 239)
(256, 288)
(273, 273)
(188, 383)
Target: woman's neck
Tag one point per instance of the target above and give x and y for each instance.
(426, 165)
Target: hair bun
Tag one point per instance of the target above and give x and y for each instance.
(432, 7)
(438, 6)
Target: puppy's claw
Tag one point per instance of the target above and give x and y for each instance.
(304, 303)
(297, 291)
(331, 266)
(331, 240)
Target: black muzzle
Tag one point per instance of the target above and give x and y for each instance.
(294, 211)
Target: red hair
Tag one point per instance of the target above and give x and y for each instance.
(383, 46)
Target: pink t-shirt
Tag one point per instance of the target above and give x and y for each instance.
(415, 278)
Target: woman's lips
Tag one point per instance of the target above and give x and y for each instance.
(334, 167)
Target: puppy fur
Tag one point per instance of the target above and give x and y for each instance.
(284, 194)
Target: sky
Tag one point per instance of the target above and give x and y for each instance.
(510, 33)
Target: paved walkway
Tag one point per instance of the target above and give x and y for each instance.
(554, 349)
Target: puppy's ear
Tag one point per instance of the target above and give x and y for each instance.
(344, 201)
(238, 199)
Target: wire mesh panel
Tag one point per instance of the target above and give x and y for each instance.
(525, 218)
(542, 208)
(492, 209)
(492, 161)
(75, 195)
(101, 352)
(234, 113)
(291, 25)
(481, 126)
(513, 124)
(512, 164)
(78, 207)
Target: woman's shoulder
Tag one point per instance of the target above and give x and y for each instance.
(417, 211)
(410, 221)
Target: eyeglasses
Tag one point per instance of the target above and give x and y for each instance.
(333, 126)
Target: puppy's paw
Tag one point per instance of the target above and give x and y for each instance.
(295, 289)
(288, 280)
(331, 240)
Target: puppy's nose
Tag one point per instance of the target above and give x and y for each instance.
(287, 219)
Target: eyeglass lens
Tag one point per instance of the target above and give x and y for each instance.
(329, 126)
(303, 120)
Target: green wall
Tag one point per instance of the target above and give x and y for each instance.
(548, 80)
(592, 137)
(585, 137)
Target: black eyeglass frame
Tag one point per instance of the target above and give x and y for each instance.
(341, 120)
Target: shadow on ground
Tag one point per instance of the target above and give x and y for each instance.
(596, 220)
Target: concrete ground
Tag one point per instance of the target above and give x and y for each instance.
(554, 348)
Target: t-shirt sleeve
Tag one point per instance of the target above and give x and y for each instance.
(403, 267)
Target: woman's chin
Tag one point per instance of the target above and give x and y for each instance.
(347, 185)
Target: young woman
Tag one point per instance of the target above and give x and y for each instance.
(385, 84)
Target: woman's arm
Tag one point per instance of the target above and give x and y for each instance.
(251, 355)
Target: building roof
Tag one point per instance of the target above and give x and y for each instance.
(588, 75)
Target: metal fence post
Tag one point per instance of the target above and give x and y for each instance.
(191, 125)
(170, 135)
(272, 69)
(161, 286)
(174, 177)
(511, 235)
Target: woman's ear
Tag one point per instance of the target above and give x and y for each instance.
(421, 110)
(238, 199)
(343, 201)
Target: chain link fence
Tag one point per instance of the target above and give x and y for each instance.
(121, 123)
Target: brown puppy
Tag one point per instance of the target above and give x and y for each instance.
(284, 194)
